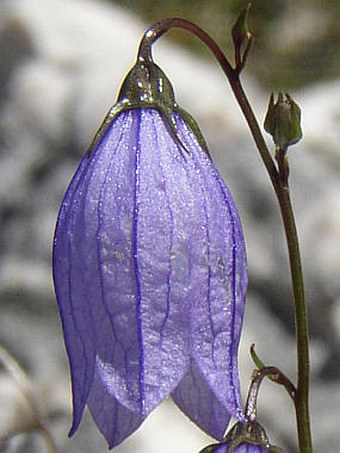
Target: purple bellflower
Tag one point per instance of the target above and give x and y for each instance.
(149, 269)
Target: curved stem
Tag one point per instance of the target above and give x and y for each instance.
(159, 28)
(274, 374)
(232, 74)
(282, 193)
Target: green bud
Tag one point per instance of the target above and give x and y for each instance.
(282, 121)
(240, 31)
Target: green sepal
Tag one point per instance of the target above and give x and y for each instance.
(147, 86)
(249, 432)
(210, 448)
(108, 119)
(190, 120)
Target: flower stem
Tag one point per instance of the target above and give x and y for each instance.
(301, 320)
(280, 184)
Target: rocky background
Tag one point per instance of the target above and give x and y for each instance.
(61, 65)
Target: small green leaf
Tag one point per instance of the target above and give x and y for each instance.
(258, 362)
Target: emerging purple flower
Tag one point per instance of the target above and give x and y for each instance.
(244, 437)
(243, 448)
(150, 277)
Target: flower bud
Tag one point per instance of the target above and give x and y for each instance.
(240, 32)
(282, 121)
(247, 437)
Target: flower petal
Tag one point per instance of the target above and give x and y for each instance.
(195, 398)
(114, 420)
(218, 282)
(76, 280)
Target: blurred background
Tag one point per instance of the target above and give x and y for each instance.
(62, 62)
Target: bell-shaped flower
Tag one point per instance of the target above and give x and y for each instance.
(150, 269)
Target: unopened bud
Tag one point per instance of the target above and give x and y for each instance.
(247, 437)
(240, 31)
(282, 121)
